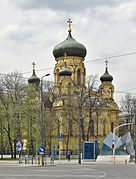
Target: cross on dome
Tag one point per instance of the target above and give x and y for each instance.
(33, 65)
(69, 25)
(106, 61)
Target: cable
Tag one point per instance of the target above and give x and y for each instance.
(124, 92)
(130, 89)
(95, 60)
(38, 70)
(115, 56)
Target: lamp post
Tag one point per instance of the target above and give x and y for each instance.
(1, 134)
(78, 97)
(97, 115)
(79, 126)
(79, 137)
(135, 129)
(42, 112)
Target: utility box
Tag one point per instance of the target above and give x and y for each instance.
(88, 150)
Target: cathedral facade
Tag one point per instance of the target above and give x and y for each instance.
(80, 112)
(80, 109)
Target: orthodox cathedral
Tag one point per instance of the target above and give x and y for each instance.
(80, 112)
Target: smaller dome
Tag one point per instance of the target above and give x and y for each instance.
(106, 76)
(34, 79)
(65, 71)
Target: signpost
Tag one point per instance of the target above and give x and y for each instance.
(60, 139)
(19, 148)
(59, 136)
(41, 150)
(53, 154)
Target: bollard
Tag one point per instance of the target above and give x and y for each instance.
(35, 160)
(45, 161)
(28, 160)
(32, 160)
(52, 161)
(25, 160)
(125, 161)
(41, 161)
(19, 160)
(38, 160)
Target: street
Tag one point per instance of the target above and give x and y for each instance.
(68, 171)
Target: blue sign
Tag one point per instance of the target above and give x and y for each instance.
(60, 136)
(53, 154)
(18, 146)
(41, 149)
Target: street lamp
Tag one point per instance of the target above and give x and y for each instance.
(97, 116)
(79, 137)
(79, 126)
(135, 129)
(42, 111)
(78, 97)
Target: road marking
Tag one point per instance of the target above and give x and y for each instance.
(56, 176)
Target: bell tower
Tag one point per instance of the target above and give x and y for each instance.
(71, 53)
(106, 88)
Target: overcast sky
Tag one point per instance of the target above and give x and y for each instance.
(29, 30)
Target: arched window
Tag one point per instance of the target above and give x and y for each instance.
(58, 77)
(110, 92)
(112, 126)
(104, 127)
(78, 77)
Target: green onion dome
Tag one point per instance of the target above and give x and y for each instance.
(34, 78)
(64, 71)
(106, 76)
(70, 47)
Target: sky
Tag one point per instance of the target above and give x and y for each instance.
(30, 29)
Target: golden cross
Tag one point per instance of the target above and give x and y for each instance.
(33, 65)
(106, 61)
(69, 24)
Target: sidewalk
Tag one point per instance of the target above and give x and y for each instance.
(58, 162)
(9, 162)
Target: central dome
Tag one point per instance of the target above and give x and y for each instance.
(70, 47)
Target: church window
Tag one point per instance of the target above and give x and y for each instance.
(101, 91)
(78, 77)
(112, 125)
(58, 77)
(110, 92)
(104, 127)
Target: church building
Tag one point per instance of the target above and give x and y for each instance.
(79, 110)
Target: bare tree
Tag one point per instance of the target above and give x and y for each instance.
(92, 82)
(128, 104)
(49, 114)
(11, 96)
(91, 102)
